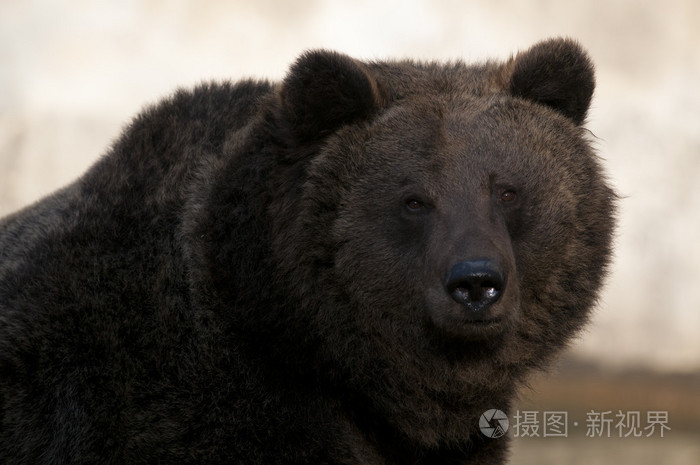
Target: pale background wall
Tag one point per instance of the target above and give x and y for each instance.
(73, 72)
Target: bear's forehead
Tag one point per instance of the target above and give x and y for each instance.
(455, 143)
(451, 126)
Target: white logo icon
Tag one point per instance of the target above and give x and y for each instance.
(493, 423)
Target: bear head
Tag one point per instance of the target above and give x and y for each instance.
(435, 230)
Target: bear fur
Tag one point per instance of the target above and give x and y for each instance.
(255, 273)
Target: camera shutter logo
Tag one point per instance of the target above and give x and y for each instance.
(493, 423)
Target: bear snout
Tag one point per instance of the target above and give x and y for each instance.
(475, 299)
(476, 285)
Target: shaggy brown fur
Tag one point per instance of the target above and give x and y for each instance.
(285, 273)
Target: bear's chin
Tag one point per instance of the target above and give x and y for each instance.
(437, 402)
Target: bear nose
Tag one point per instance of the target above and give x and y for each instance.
(476, 284)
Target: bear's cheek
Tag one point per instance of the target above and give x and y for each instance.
(548, 256)
(380, 270)
(376, 276)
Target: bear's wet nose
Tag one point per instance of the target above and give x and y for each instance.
(476, 284)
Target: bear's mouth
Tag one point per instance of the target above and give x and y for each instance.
(462, 327)
(475, 329)
(484, 322)
(459, 321)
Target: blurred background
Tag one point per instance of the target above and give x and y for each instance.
(72, 74)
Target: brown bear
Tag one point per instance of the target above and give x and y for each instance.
(347, 267)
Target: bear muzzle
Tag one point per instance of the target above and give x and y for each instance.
(474, 300)
(477, 285)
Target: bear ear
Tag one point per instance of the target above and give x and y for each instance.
(556, 73)
(325, 90)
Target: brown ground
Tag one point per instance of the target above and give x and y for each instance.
(579, 388)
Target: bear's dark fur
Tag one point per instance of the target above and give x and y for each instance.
(262, 273)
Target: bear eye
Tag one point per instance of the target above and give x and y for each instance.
(508, 196)
(414, 205)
